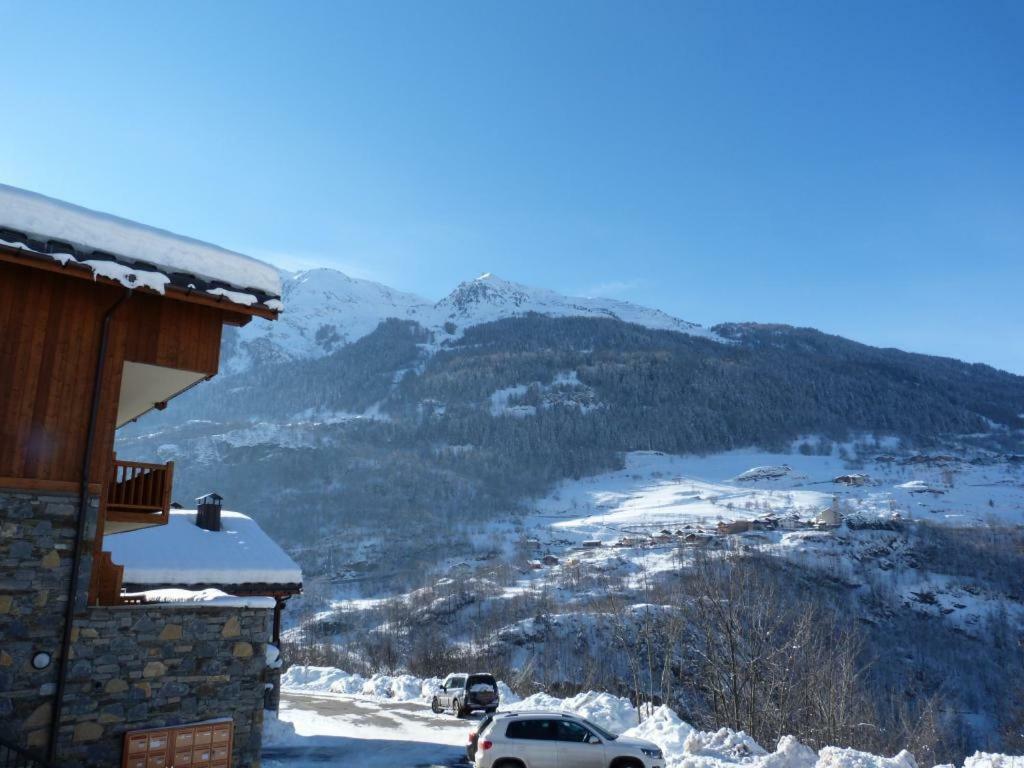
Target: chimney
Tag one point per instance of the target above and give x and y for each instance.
(208, 511)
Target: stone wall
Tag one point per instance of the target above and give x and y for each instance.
(130, 666)
(161, 665)
(37, 533)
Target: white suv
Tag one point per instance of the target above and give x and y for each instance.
(559, 740)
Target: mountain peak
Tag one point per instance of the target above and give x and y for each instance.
(326, 309)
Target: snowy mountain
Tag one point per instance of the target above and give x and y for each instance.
(326, 309)
(489, 298)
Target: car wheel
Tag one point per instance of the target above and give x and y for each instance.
(457, 708)
(435, 706)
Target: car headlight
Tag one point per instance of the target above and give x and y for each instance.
(655, 753)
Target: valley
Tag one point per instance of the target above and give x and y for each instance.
(582, 494)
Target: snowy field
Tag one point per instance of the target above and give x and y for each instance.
(384, 729)
(656, 490)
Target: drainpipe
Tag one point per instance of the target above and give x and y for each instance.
(83, 501)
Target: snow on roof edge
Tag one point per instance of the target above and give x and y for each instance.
(48, 219)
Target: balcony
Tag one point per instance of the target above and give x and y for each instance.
(138, 495)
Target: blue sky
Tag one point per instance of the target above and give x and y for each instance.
(853, 166)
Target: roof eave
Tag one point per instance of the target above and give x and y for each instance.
(45, 261)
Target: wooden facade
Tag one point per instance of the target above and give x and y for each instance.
(51, 322)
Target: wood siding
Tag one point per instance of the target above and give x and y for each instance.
(50, 326)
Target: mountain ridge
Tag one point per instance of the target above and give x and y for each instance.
(325, 309)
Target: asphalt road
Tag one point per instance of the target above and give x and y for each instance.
(367, 734)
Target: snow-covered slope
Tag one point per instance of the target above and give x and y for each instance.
(489, 298)
(326, 309)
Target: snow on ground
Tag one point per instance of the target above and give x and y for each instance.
(335, 728)
(347, 730)
(656, 490)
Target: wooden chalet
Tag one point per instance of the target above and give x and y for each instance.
(101, 321)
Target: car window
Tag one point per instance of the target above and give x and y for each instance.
(458, 682)
(537, 730)
(447, 682)
(570, 731)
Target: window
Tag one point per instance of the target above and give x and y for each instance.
(457, 682)
(537, 730)
(570, 731)
(485, 679)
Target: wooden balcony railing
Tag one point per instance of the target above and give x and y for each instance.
(139, 493)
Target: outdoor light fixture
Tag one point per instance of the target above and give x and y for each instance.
(41, 660)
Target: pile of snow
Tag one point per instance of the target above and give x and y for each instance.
(396, 688)
(277, 732)
(314, 679)
(612, 713)
(686, 747)
(507, 695)
(838, 757)
(723, 745)
(665, 728)
(989, 760)
(378, 687)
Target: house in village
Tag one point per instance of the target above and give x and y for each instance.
(102, 320)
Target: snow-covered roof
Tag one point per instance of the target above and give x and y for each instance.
(134, 254)
(183, 554)
(212, 598)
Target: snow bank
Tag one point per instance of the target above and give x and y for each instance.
(507, 695)
(665, 728)
(314, 679)
(683, 745)
(396, 688)
(686, 747)
(610, 712)
(277, 732)
(837, 757)
(379, 687)
(989, 760)
(721, 746)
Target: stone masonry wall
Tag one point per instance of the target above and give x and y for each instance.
(131, 666)
(162, 665)
(37, 532)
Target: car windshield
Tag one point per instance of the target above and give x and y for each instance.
(599, 730)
